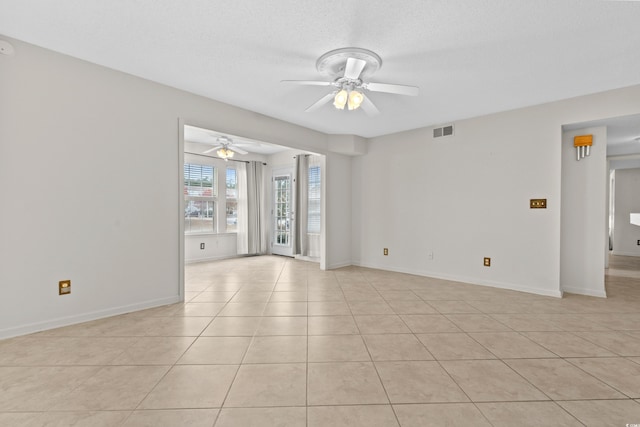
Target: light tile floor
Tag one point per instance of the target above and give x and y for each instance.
(269, 341)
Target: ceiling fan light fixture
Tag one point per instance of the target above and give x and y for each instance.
(225, 153)
(340, 100)
(355, 99)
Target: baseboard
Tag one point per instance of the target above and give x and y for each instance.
(619, 253)
(339, 264)
(85, 317)
(588, 292)
(465, 279)
(214, 258)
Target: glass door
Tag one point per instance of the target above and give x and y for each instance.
(282, 213)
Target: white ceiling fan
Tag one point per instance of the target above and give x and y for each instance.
(225, 148)
(350, 68)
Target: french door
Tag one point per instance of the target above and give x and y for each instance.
(283, 216)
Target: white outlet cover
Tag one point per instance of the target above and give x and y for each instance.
(6, 48)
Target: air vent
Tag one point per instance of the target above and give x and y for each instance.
(443, 131)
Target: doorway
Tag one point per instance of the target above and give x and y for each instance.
(283, 216)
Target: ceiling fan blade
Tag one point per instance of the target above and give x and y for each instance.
(369, 107)
(238, 150)
(328, 97)
(390, 88)
(306, 82)
(353, 68)
(217, 147)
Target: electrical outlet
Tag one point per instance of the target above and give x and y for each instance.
(201, 245)
(638, 242)
(487, 262)
(430, 255)
(64, 287)
(385, 251)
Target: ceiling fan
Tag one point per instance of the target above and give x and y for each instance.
(225, 148)
(350, 68)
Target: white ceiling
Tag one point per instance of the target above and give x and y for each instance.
(209, 138)
(469, 58)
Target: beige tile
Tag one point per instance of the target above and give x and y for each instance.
(367, 307)
(39, 388)
(24, 419)
(458, 346)
(396, 347)
(332, 325)
(566, 344)
(289, 296)
(428, 323)
(191, 386)
(491, 380)
(560, 380)
(222, 297)
(352, 416)
(375, 324)
(440, 415)
(283, 326)
(114, 387)
(411, 307)
(243, 309)
(508, 345)
(268, 385)
(216, 351)
(418, 382)
(262, 417)
(619, 343)
(477, 323)
(575, 323)
(527, 414)
(453, 307)
(233, 326)
(597, 413)
(177, 326)
(251, 295)
(619, 373)
(172, 418)
(154, 351)
(337, 348)
(527, 322)
(399, 296)
(297, 287)
(286, 309)
(344, 383)
(371, 296)
(207, 309)
(52, 351)
(277, 349)
(79, 419)
(324, 294)
(328, 308)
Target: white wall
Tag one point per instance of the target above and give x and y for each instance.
(97, 201)
(216, 246)
(467, 197)
(627, 200)
(338, 210)
(584, 231)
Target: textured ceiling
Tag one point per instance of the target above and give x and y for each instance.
(468, 57)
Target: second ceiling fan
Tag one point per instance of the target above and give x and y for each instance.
(350, 67)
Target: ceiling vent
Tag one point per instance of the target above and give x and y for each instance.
(443, 131)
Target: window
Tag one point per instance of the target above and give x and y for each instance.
(200, 194)
(232, 200)
(313, 216)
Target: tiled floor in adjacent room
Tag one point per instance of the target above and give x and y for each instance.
(269, 341)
